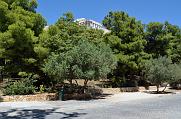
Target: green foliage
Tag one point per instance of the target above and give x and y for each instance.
(163, 40)
(127, 42)
(122, 82)
(65, 34)
(24, 86)
(161, 70)
(29, 5)
(157, 70)
(42, 89)
(84, 61)
(91, 61)
(19, 27)
(73, 51)
(175, 70)
(23, 74)
(69, 17)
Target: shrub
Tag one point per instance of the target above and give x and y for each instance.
(162, 70)
(94, 91)
(22, 87)
(86, 61)
(122, 82)
(42, 89)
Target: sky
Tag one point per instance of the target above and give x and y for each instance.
(144, 10)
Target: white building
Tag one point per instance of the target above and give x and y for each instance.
(91, 24)
(46, 28)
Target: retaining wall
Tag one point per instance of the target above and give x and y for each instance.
(36, 97)
(118, 90)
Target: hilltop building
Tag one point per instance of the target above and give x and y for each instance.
(91, 24)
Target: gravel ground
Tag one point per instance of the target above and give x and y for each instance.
(119, 106)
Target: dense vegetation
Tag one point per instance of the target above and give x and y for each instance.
(84, 61)
(161, 70)
(67, 51)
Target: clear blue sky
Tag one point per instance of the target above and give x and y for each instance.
(144, 10)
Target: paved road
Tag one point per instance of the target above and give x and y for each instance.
(162, 107)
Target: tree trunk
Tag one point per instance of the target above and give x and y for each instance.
(1, 77)
(70, 81)
(76, 82)
(157, 87)
(85, 84)
(164, 88)
(71, 88)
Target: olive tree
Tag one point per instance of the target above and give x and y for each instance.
(86, 60)
(161, 70)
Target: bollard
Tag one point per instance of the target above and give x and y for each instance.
(61, 94)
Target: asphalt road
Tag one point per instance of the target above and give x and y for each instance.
(162, 107)
(157, 108)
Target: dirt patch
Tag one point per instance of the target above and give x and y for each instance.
(110, 90)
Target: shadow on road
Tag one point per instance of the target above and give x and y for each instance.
(1, 99)
(155, 92)
(37, 114)
(103, 96)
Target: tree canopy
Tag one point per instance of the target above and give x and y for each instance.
(84, 61)
(19, 27)
(161, 70)
(127, 41)
(163, 40)
(67, 50)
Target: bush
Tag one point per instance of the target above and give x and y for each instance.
(42, 89)
(22, 87)
(162, 70)
(94, 91)
(176, 85)
(84, 61)
(122, 82)
(70, 89)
